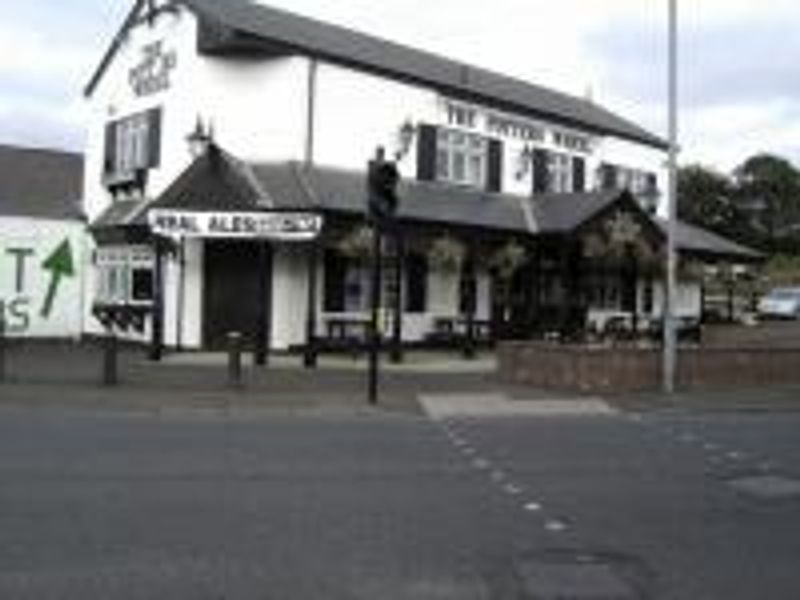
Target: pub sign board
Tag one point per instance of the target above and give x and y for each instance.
(274, 225)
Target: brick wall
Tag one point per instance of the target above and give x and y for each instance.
(627, 369)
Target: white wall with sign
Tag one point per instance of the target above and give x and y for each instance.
(41, 270)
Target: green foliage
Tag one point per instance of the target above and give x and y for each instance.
(783, 269)
(759, 205)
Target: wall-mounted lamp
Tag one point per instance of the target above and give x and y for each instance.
(524, 162)
(405, 137)
(200, 138)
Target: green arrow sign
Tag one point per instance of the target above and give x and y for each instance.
(60, 265)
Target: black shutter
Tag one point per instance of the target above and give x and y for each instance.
(541, 171)
(609, 177)
(426, 153)
(416, 283)
(335, 271)
(578, 175)
(494, 179)
(110, 158)
(154, 138)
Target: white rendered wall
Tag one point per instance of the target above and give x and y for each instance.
(25, 244)
(356, 112)
(689, 297)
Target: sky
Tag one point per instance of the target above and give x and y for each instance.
(739, 66)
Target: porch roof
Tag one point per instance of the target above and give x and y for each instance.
(703, 243)
(218, 181)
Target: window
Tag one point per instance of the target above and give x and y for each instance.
(133, 143)
(639, 182)
(461, 157)
(356, 287)
(416, 283)
(124, 275)
(560, 172)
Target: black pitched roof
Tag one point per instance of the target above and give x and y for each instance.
(218, 181)
(558, 213)
(231, 24)
(40, 183)
(702, 242)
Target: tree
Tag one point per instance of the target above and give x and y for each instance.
(768, 191)
(708, 199)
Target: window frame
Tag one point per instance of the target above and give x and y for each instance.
(115, 268)
(462, 158)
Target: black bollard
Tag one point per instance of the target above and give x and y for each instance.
(235, 359)
(110, 362)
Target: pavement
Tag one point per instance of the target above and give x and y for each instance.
(442, 384)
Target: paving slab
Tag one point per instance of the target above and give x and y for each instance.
(498, 404)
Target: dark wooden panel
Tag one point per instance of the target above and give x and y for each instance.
(231, 291)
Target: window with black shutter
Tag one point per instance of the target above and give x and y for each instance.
(110, 159)
(578, 175)
(541, 171)
(335, 272)
(154, 138)
(426, 153)
(494, 181)
(416, 283)
(133, 144)
(608, 177)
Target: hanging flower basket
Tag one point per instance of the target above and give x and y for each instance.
(594, 246)
(508, 259)
(447, 253)
(691, 270)
(356, 243)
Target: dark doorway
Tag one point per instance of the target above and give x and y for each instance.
(231, 291)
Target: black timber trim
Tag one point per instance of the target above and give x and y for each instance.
(625, 201)
(133, 19)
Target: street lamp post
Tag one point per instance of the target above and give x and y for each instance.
(670, 350)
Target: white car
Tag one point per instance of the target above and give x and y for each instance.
(780, 303)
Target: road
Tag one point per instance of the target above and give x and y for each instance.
(189, 505)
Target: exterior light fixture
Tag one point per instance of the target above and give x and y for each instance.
(200, 138)
(524, 161)
(405, 137)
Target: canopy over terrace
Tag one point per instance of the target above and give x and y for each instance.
(560, 242)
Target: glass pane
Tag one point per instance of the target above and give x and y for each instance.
(475, 170)
(442, 166)
(458, 139)
(459, 166)
(142, 285)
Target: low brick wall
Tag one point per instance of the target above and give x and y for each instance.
(596, 369)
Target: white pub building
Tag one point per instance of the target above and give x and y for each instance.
(225, 186)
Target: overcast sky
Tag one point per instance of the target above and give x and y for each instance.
(740, 67)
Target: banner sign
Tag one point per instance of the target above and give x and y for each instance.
(279, 226)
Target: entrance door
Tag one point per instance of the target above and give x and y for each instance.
(231, 291)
